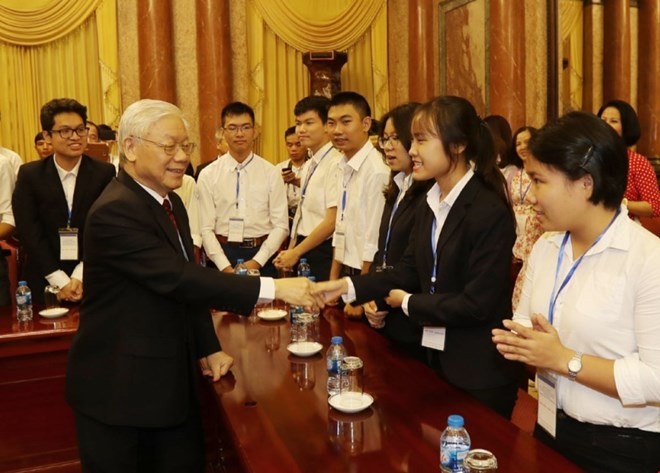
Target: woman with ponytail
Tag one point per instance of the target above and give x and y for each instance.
(453, 280)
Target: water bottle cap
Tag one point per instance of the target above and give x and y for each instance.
(455, 421)
(336, 340)
(312, 278)
(303, 260)
(240, 261)
(22, 283)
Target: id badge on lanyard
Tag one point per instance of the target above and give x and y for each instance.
(68, 244)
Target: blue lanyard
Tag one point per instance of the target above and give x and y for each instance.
(389, 225)
(344, 196)
(68, 220)
(434, 246)
(239, 168)
(555, 292)
(311, 173)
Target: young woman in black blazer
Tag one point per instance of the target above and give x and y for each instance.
(453, 280)
(403, 195)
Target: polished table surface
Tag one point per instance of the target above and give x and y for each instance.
(277, 418)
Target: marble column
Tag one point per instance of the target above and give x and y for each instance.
(592, 90)
(507, 60)
(214, 70)
(616, 57)
(156, 50)
(649, 78)
(420, 50)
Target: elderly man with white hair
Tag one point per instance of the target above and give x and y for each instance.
(145, 320)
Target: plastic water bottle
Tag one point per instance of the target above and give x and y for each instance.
(454, 445)
(241, 269)
(304, 269)
(23, 302)
(333, 358)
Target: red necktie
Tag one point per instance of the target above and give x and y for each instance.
(168, 208)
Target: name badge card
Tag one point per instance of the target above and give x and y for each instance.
(340, 242)
(434, 337)
(236, 227)
(521, 224)
(68, 244)
(546, 383)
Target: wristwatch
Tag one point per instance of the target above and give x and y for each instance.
(575, 365)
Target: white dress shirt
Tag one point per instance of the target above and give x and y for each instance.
(13, 157)
(320, 186)
(610, 308)
(292, 190)
(190, 197)
(361, 180)
(260, 201)
(68, 180)
(7, 184)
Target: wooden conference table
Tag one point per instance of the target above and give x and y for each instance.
(36, 425)
(273, 414)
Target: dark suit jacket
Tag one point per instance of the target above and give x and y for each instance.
(40, 210)
(398, 326)
(472, 289)
(144, 319)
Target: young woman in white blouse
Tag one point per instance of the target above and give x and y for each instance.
(589, 315)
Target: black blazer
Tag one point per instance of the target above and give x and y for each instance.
(40, 210)
(144, 319)
(472, 289)
(398, 326)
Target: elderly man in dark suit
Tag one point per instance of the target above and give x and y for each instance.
(144, 321)
(51, 201)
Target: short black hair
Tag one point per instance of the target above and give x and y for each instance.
(630, 128)
(57, 106)
(358, 102)
(314, 103)
(38, 137)
(106, 133)
(234, 109)
(290, 131)
(580, 143)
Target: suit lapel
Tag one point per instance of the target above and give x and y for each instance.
(159, 213)
(85, 175)
(458, 211)
(181, 220)
(55, 184)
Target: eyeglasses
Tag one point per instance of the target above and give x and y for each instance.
(172, 150)
(67, 133)
(233, 129)
(392, 139)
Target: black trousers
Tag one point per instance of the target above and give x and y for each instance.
(123, 449)
(5, 296)
(604, 448)
(319, 259)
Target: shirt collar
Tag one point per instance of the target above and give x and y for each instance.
(159, 198)
(402, 181)
(63, 172)
(360, 157)
(616, 237)
(323, 150)
(434, 194)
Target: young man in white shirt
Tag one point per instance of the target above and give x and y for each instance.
(361, 177)
(292, 168)
(314, 222)
(243, 211)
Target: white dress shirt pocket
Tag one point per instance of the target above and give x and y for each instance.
(602, 296)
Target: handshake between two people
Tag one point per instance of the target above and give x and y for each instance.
(302, 291)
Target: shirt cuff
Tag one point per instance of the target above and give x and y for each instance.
(628, 379)
(266, 290)
(78, 272)
(58, 278)
(350, 295)
(404, 304)
(220, 261)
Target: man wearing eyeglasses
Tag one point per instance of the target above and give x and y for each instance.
(51, 201)
(243, 204)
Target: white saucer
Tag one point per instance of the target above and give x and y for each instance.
(271, 314)
(304, 348)
(351, 403)
(53, 312)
